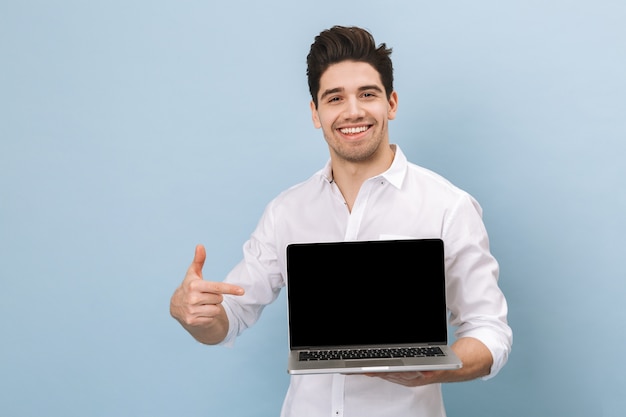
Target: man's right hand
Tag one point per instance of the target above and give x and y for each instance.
(197, 304)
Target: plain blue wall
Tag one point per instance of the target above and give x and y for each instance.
(132, 130)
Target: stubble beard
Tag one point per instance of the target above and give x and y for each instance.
(359, 153)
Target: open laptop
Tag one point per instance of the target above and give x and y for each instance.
(367, 306)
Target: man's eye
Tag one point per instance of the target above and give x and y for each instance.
(333, 99)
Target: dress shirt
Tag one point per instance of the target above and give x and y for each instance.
(406, 201)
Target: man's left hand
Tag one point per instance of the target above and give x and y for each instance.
(408, 379)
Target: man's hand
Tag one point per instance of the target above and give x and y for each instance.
(476, 358)
(408, 379)
(196, 304)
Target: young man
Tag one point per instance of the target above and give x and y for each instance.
(368, 190)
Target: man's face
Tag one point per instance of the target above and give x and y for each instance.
(353, 111)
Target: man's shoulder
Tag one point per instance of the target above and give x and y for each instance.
(408, 172)
(427, 176)
(302, 190)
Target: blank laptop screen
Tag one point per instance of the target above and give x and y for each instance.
(366, 293)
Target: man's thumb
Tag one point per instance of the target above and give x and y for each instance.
(198, 260)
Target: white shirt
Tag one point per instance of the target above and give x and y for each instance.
(406, 201)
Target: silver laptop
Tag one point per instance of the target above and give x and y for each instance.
(367, 306)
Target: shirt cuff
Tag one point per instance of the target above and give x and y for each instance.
(498, 344)
(233, 330)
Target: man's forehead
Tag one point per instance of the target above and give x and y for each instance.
(348, 75)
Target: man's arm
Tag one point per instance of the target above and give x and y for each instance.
(197, 304)
(475, 356)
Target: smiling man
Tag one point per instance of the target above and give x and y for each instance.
(367, 191)
(353, 110)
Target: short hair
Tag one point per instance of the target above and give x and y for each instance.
(341, 43)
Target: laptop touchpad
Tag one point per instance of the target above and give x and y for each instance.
(370, 363)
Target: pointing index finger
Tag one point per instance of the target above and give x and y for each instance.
(224, 288)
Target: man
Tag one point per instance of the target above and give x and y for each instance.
(368, 190)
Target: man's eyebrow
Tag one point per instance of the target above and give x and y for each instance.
(371, 87)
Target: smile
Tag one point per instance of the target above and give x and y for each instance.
(353, 130)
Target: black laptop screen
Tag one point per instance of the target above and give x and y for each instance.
(366, 293)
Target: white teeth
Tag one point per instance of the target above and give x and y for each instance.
(353, 130)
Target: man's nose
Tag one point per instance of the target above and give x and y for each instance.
(354, 108)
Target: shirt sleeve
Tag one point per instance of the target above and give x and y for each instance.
(477, 305)
(259, 275)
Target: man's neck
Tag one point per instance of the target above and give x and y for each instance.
(349, 176)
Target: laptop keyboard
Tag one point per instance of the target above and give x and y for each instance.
(373, 353)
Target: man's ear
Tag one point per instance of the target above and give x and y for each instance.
(393, 105)
(315, 116)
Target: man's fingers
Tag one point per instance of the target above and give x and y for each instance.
(198, 261)
(220, 288)
(195, 271)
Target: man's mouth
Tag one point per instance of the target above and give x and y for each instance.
(353, 130)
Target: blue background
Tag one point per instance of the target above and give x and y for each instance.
(130, 131)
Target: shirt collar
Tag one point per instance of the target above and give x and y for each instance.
(395, 174)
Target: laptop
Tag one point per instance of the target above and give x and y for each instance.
(367, 306)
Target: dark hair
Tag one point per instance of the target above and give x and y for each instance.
(341, 43)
